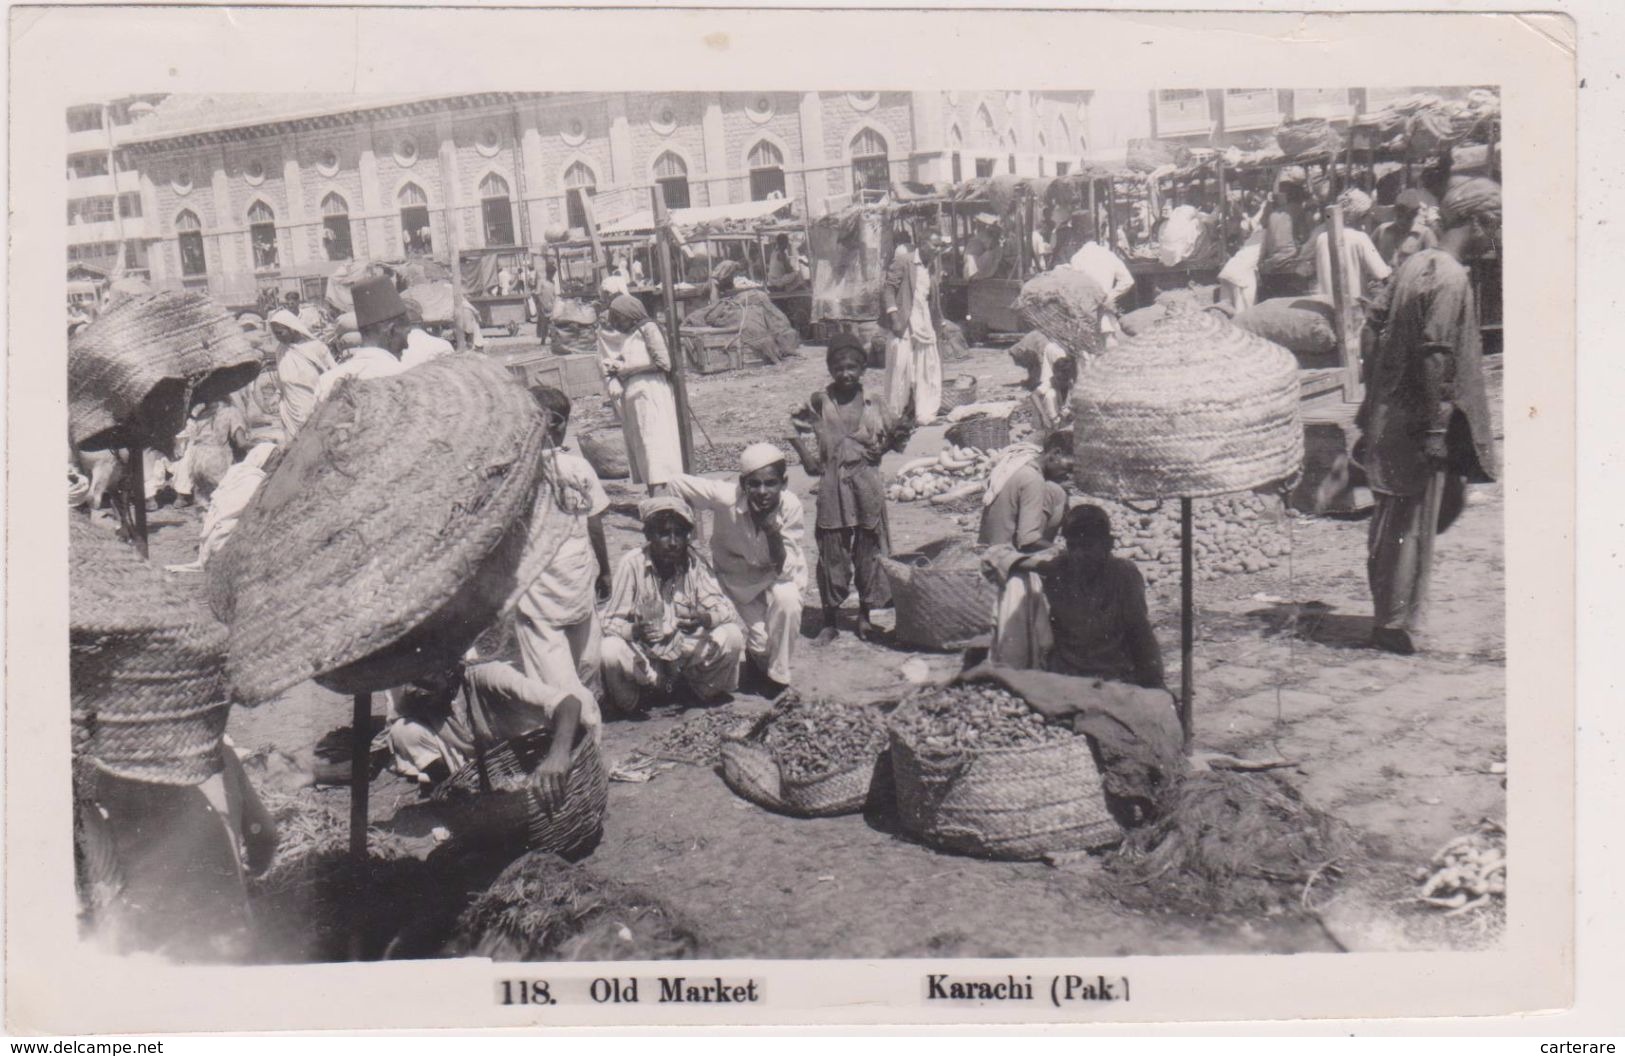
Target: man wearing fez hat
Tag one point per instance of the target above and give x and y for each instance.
(668, 625)
(756, 533)
(381, 317)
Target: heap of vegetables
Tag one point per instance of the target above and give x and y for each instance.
(1233, 533)
(973, 717)
(813, 738)
(1468, 872)
(955, 473)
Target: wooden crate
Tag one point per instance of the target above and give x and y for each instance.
(710, 350)
(576, 376)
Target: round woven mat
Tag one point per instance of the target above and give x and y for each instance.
(1192, 407)
(133, 372)
(386, 509)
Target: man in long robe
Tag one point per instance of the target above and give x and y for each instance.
(1425, 422)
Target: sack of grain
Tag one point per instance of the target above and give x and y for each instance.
(1304, 325)
(1066, 306)
(809, 759)
(977, 771)
(951, 343)
(1142, 319)
(606, 453)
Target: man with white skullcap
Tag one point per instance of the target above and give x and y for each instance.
(1362, 264)
(668, 624)
(756, 532)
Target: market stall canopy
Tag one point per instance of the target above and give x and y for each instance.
(416, 271)
(700, 220)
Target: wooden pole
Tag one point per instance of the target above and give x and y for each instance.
(451, 249)
(1348, 331)
(136, 474)
(360, 777)
(674, 338)
(1187, 623)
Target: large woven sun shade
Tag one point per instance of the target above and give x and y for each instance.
(1193, 407)
(390, 536)
(134, 372)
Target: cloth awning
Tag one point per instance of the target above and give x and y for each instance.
(687, 219)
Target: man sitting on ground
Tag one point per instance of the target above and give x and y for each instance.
(668, 625)
(756, 531)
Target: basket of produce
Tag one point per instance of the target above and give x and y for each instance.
(987, 432)
(1066, 307)
(146, 666)
(410, 498)
(961, 391)
(941, 603)
(806, 448)
(1193, 407)
(954, 473)
(493, 799)
(979, 772)
(810, 759)
(606, 453)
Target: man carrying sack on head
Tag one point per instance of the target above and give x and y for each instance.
(756, 532)
(912, 312)
(380, 315)
(668, 625)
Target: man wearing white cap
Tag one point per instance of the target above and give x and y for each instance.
(299, 368)
(756, 533)
(1362, 264)
(669, 625)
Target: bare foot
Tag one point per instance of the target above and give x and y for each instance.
(866, 631)
(827, 635)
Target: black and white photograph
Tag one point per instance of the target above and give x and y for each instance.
(594, 526)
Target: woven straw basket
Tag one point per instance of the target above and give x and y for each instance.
(988, 432)
(1193, 407)
(135, 370)
(1015, 803)
(752, 772)
(940, 607)
(1065, 306)
(146, 666)
(961, 392)
(396, 529)
(501, 807)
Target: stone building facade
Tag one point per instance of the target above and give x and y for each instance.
(241, 192)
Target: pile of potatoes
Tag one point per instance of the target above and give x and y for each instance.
(1245, 532)
(955, 473)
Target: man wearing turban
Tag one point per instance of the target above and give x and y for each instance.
(1425, 422)
(1362, 264)
(756, 536)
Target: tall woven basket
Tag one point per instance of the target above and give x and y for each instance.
(492, 800)
(1015, 803)
(146, 666)
(960, 391)
(940, 606)
(1192, 407)
(135, 370)
(409, 500)
(752, 772)
(989, 432)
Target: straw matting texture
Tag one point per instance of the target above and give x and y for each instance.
(389, 537)
(1018, 803)
(135, 370)
(1193, 407)
(493, 800)
(146, 665)
(1065, 306)
(960, 392)
(752, 772)
(940, 607)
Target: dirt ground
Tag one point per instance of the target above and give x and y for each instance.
(1402, 748)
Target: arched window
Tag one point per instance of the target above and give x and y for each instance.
(336, 228)
(1043, 148)
(671, 175)
(766, 171)
(189, 233)
(871, 170)
(987, 133)
(956, 143)
(1010, 148)
(416, 238)
(262, 236)
(1063, 137)
(579, 184)
(496, 209)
